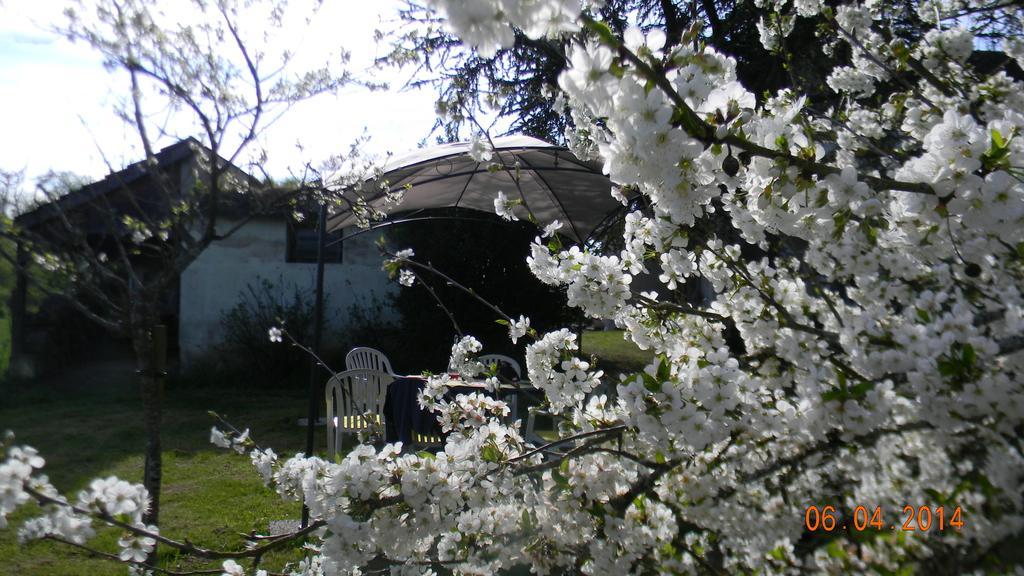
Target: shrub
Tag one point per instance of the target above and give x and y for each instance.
(246, 349)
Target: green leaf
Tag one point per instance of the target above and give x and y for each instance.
(834, 394)
(845, 391)
(870, 232)
(841, 376)
(969, 356)
(997, 139)
(664, 368)
(960, 363)
(651, 383)
(924, 315)
(603, 31)
(861, 390)
(840, 219)
(946, 367)
(936, 496)
(998, 155)
(490, 453)
(835, 550)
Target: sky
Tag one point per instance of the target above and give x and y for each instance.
(57, 100)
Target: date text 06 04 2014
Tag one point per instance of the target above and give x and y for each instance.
(920, 518)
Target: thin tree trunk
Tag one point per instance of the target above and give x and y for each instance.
(18, 303)
(152, 410)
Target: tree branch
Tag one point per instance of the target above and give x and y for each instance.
(185, 547)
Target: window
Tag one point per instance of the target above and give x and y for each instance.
(302, 244)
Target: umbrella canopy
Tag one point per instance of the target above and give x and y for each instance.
(551, 182)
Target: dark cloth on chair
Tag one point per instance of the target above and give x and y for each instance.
(403, 415)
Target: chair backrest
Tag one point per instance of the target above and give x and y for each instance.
(502, 360)
(367, 358)
(349, 395)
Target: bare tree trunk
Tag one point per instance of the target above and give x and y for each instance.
(18, 303)
(143, 323)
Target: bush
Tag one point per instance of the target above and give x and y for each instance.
(247, 357)
(247, 350)
(367, 324)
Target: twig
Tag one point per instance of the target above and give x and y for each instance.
(116, 558)
(221, 419)
(451, 317)
(612, 430)
(456, 284)
(698, 129)
(782, 463)
(185, 547)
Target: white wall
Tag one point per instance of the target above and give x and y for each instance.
(211, 285)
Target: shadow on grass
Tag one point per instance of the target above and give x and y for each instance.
(82, 432)
(85, 432)
(88, 425)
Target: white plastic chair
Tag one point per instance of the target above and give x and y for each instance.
(363, 358)
(350, 395)
(502, 360)
(530, 434)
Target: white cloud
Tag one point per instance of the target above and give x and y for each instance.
(58, 100)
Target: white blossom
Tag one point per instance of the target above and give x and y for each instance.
(551, 228)
(218, 438)
(232, 568)
(855, 341)
(518, 328)
(406, 277)
(480, 148)
(503, 207)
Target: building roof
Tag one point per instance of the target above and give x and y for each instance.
(115, 181)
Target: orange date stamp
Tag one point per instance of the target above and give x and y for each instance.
(919, 518)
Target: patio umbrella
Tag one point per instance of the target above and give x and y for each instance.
(551, 182)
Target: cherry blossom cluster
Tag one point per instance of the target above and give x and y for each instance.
(395, 267)
(857, 342)
(864, 308)
(107, 501)
(488, 25)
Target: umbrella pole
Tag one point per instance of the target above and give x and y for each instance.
(318, 320)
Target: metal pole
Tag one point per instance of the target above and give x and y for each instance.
(318, 320)
(18, 302)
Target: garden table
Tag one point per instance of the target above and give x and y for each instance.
(402, 413)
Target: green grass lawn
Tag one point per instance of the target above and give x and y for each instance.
(616, 355)
(208, 494)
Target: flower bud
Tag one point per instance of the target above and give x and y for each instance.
(731, 165)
